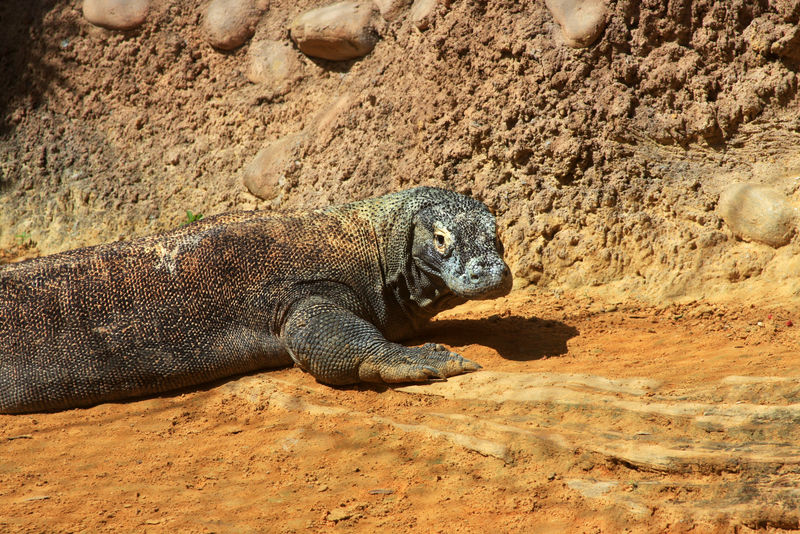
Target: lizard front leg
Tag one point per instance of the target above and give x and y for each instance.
(338, 347)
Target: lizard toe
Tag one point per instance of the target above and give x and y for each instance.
(416, 364)
(446, 362)
(455, 364)
(432, 372)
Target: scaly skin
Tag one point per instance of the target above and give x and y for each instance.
(330, 290)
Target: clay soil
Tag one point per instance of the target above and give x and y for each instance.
(587, 417)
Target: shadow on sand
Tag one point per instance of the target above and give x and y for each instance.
(514, 338)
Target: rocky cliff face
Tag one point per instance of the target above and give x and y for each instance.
(605, 163)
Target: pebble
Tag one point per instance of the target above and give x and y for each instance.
(391, 9)
(228, 24)
(116, 14)
(272, 63)
(341, 31)
(338, 514)
(264, 175)
(756, 212)
(20, 436)
(37, 498)
(422, 12)
(581, 21)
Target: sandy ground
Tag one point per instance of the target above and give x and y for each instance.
(588, 416)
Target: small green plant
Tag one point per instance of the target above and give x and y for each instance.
(23, 239)
(191, 217)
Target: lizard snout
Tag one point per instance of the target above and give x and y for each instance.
(476, 272)
(483, 278)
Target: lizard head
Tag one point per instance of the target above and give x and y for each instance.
(457, 246)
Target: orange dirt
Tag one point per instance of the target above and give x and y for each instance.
(587, 417)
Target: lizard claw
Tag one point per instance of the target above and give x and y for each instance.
(470, 366)
(432, 372)
(417, 364)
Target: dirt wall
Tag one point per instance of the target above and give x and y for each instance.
(604, 164)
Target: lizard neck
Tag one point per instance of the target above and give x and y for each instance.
(418, 296)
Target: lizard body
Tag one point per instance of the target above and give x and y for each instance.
(331, 290)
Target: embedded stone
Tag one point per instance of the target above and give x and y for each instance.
(272, 63)
(422, 12)
(757, 212)
(581, 21)
(345, 30)
(266, 174)
(391, 9)
(228, 24)
(116, 14)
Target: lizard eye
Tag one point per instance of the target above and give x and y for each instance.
(439, 241)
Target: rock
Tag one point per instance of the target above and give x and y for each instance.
(422, 12)
(265, 175)
(581, 21)
(757, 212)
(229, 23)
(325, 119)
(272, 63)
(345, 30)
(391, 9)
(116, 14)
(338, 514)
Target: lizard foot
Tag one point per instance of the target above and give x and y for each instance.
(416, 364)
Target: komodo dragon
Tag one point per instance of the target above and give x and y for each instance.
(330, 290)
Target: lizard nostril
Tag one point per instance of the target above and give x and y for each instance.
(476, 272)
